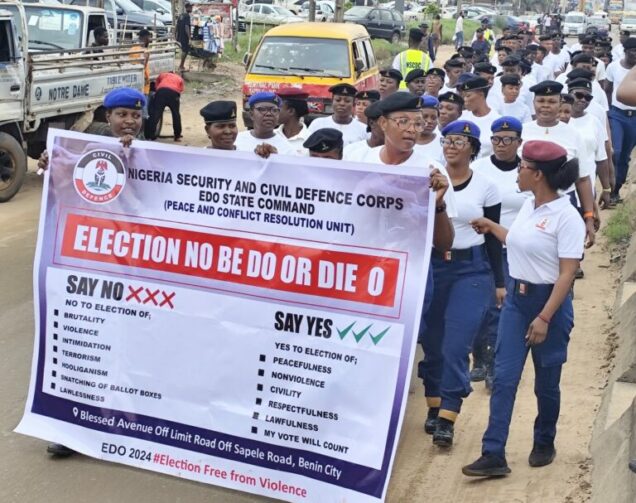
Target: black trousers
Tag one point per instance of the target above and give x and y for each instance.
(163, 98)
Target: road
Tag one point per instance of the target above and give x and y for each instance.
(421, 471)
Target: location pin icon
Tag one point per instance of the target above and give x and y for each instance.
(75, 411)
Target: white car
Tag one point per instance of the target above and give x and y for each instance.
(325, 11)
(601, 22)
(268, 15)
(629, 24)
(575, 23)
(449, 12)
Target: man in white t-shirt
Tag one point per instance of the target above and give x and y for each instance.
(343, 118)
(618, 52)
(622, 117)
(580, 62)
(264, 111)
(475, 94)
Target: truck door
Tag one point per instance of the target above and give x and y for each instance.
(95, 21)
(12, 75)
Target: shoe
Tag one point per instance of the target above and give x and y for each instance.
(632, 465)
(178, 139)
(488, 465)
(541, 455)
(615, 199)
(579, 274)
(478, 374)
(59, 451)
(431, 420)
(489, 381)
(444, 432)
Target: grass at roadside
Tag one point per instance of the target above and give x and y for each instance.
(621, 224)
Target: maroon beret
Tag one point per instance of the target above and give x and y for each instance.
(542, 151)
(292, 93)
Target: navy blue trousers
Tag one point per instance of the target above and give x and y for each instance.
(510, 357)
(623, 129)
(457, 309)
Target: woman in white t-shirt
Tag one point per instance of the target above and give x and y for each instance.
(545, 244)
(463, 281)
(428, 141)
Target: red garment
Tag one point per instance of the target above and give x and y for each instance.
(170, 81)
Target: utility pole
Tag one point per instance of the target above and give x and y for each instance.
(312, 11)
(339, 14)
(399, 6)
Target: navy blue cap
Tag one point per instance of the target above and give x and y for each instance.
(484, 68)
(437, 72)
(125, 97)
(392, 73)
(429, 102)
(506, 123)
(473, 83)
(416, 73)
(263, 97)
(465, 128)
(580, 84)
(582, 57)
(374, 110)
(547, 88)
(323, 140)
(630, 43)
(511, 61)
(580, 73)
(219, 111)
(454, 63)
(398, 102)
(510, 80)
(343, 90)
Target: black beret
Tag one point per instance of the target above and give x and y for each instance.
(544, 38)
(451, 98)
(373, 111)
(417, 73)
(525, 66)
(580, 73)
(473, 84)
(547, 88)
(580, 84)
(454, 63)
(507, 50)
(510, 80)
(219, 111)
(511, 61)
(392, 73)
(398, 102)
(625, 33)
(582, 58)
(437, 72)
(343, 90)
(371, 95)
(567, 98)
(588, 40)
(466, 50)
(485, 68)
(630, 43)
(323, 140)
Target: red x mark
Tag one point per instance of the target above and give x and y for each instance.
(167, 299)
(134, 293)
(151, 296)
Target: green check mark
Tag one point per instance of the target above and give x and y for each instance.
(343, 333)
(378, 338)
(360, 335)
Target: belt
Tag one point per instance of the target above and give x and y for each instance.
(524, 288)
(628, 113)
(453, 255)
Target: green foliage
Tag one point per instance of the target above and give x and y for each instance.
(236, 56)
(385, 51)
(621, 224)
(431, 10)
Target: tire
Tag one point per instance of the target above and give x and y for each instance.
(12, 167)
(395, 37)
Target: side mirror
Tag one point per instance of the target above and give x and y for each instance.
(119, 11)
(161, 11)
(358, 65)
(247, 59)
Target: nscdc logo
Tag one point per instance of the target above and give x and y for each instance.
(99, 177)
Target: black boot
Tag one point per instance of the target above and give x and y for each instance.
(488, 465)
(478, 373)
(444, 432)
(541, 455)
(431, 420)
(59, 451)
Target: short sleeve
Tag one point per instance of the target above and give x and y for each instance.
(601, 134)
(601, 74)
(570, 234)
(609, 74)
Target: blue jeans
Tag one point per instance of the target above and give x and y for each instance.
(459, 39)
(510, 355)
(457, 310)
(623, 128)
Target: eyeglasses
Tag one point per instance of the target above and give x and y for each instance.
(404, 124)
(583, 96)
(449, 142)
(506, 140)
(267, 110)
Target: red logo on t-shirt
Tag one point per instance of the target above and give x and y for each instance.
(542, 224)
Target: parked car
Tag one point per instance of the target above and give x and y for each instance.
(273, 15)
(575, 23)
(508, 21)
(325, 11)
(449, 12)
(531, 20)
(160, 8)
(474, 11)
(311, 57)
(601, 22)
(379, 22)
(629, 23)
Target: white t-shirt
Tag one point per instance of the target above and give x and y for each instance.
(568, 137)
(432, 150)
(600, 70)
(506, 181)
(555, 62)
(539, 237)
(246, 142)
(355, 151)
(296, 141)
(372, 156)
(540, 72)
(618, 52)
(483, 123)
(471, 200)
(597, 111)
(615, 74)
(459, 24)
(594, 136)
(597, 91)
(518, 110)
(352, 132)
